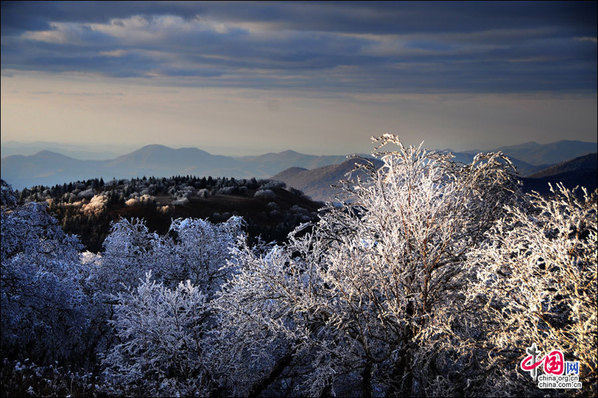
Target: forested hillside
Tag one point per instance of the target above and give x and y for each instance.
(86, 208)
(433, 280)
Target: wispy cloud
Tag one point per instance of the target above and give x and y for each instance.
(592, 39)
(315, 77)
(406, 47)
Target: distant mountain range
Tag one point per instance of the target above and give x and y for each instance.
(523, 168)
(586, 162)
(548, 154)
(318, 183)
(50, 167)
(77, 151)
(580, 171)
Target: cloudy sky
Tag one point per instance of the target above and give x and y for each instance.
(248, 78)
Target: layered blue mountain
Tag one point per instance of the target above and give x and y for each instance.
(581, 171)
(319, 183)
(50, 168)
(549, 154)
(77, 151)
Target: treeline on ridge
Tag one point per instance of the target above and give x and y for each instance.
(87, 208)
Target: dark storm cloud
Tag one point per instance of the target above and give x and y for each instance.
(370, 17)
(400, 47)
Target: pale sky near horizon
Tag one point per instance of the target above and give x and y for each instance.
(318, 78)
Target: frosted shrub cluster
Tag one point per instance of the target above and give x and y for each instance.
(43, 309)
(161, 349)
(432, 280)
(193, 249)
(96, 204)
(59, 304)
(364, 296)
(537, 283)
(161, 287)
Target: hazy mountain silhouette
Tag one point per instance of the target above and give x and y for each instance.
(580, 171)
(587, 162)
(77, 151)
(523, 168)
(159, 160)
(50, 168)
(548, 154)
(271, 163)
(45, 168)
(317, 183)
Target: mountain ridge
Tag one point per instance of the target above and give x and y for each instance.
(585, 162)
(317, 183)
(48, 167)
(551, 153)
(580, 171)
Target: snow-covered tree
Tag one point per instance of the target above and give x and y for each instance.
(538, 285)
(253, 344)
(43, 308)
(200, 250)
(161, 333)
(364, 295)
(163, 325)
(8, 198)
(192, 249)
(128, 255)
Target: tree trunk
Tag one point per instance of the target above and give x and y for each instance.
(402, 377)
(276, 371)
(366, 380)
